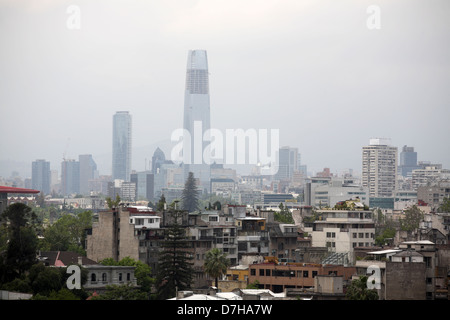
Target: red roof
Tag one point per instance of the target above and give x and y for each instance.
(4, 189)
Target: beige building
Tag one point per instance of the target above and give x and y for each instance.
(343, 230)
(125, 232)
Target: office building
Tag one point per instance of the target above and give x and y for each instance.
(121, 150)
(335, 190)
(197, 117)
(88, 172)
(408, 161)
(40, 176)
(428, 176)
(144, 185)
(287, 163)
(70, 177)
(158, 159)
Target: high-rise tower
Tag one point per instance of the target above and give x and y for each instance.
(40, 176)
(197, 116)
(408, 161)
(121, 153)
(379, 168)
(88, 171)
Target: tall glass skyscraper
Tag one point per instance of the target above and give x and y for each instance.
(197, 116)
(40, 176)
(88, 171)
(408, 161)
(121, 155)
(70, 177)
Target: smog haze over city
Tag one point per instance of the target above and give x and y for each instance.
(328, 74)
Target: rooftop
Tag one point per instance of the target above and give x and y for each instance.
(4, 189)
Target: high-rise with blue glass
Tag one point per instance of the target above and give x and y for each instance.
(121, 149)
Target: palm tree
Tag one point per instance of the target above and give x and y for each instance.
(216, 264)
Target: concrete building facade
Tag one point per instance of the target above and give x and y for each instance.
(379, 168)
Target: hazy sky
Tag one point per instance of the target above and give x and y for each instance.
(312, 69)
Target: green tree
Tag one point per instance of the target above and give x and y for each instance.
(21, 243)
(44, 280)
(63, 294)
(68, 233)
(19, 215)
(253, 285)
(17, 285)
(190, 194)
(284, 215)
(48, 282)
(358, 290)
(112, 203)
(161, 203)
(445, 206)
(411, 219)
(216, 264)
(121, 292)
(175, 270)
(387, 233)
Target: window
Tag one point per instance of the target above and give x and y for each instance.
(314, 273)
(128, 276)
(267, 272)
(305, 274)
(93, 277)
(104, 277)
(261, 272)
(120, 276)
(253, 272)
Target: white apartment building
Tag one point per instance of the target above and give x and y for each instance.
(337, 189)
(343, 230)
(430, 175)
(379, 168)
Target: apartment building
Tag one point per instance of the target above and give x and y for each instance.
(283, 240)
(342, 230)
(416, 270)
(125, 232)
(280, 276)
(379, 168)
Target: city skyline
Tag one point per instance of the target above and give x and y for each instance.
(314, 71)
